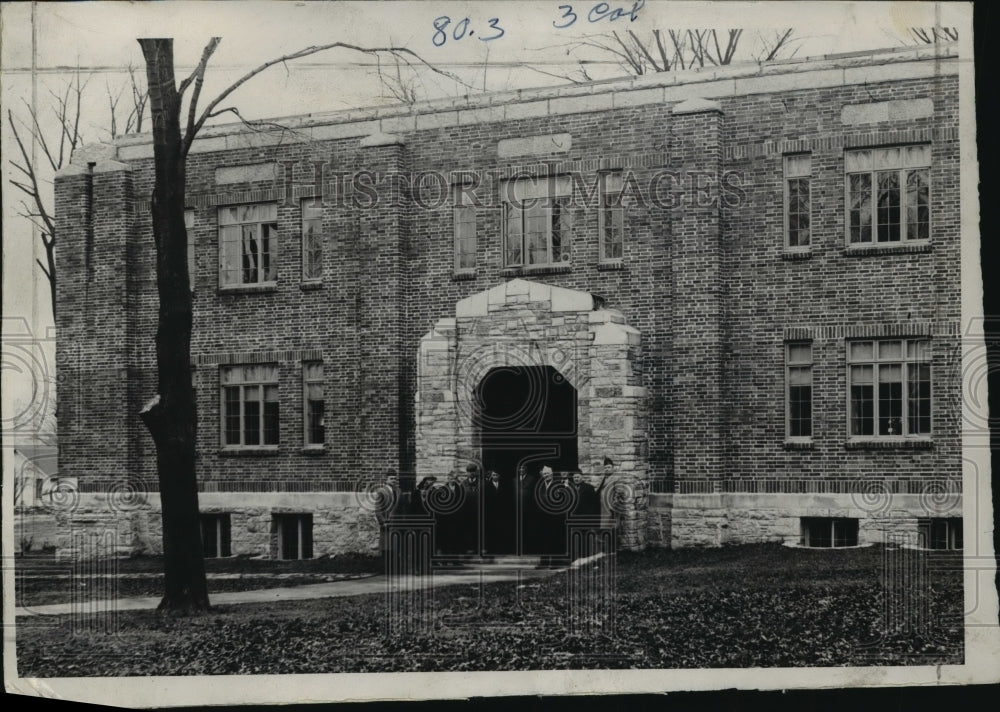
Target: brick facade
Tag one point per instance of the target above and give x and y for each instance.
(692, 402)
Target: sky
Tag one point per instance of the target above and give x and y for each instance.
(503, 45)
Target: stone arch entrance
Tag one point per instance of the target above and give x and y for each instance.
(526, 415)
(522, 324)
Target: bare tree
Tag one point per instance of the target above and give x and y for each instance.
(933, 35)
(137, 105)
(171, 415)
(772, 45)
(673, 49)
(400, 87)
(33, 175)
(34, 178)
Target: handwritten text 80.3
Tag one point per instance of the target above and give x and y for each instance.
(567, 17)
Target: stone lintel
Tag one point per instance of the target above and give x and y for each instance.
(615, 334)
(697, 106)
(382, 139)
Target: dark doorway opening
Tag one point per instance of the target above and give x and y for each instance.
(526, 415)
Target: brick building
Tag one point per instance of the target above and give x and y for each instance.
(742, 285)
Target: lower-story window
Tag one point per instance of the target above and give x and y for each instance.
(890, 388)
(940, 533)
(293, 535)
(829, 532)
(249, 406)
(216, 535)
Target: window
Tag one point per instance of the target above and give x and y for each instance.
(312, 381)
(250, 406)
(248, 244)
(465, 229)
(293, 535)
(312, 239)
(612, 218)
(829, 532)
(798, 380)
(537, 221)
(940, 533)
(216, 537)
(798, 170)
(888, 194)
(890, 388)
(189, 230)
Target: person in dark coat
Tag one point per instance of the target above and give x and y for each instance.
(496, 515)
(469, 513)
(418, 509)
(586, 514)
(526, 511)
(448, 518)
(418, 499)
(390, 502)
(552, 512)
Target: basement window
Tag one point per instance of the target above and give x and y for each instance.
(829, 532)
(940, 533)
(293, 535)
(216, 535)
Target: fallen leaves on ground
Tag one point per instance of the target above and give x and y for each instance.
(744, 606)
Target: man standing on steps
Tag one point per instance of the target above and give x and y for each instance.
(551, 521)
(586, 513)
(496, 515)
(389, 502)
(469, 521)
(526, 512)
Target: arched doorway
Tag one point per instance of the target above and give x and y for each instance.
(526, 415)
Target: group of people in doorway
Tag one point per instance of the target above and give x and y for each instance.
(544, 514)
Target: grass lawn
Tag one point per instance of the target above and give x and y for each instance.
(747, 606)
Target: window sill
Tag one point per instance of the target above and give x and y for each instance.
(794, 255)
(462, 275)
(799, 445)
(536, 269)
(310, 286)
(890, 444)
(313, 450)
(250, 452)
(248, 289)
(610, 266)
(887, 249)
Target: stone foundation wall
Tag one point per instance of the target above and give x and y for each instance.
(720, 519)
(343, 523)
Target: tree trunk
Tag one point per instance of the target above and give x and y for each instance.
(171, 417)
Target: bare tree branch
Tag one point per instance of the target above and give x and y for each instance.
(401, 52)
(30, 171)
(198, 76)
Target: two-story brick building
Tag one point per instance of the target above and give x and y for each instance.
(741, 285)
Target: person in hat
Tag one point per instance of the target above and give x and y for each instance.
(469, 513)
(496, 514)
(526, 511)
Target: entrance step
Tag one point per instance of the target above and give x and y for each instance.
(488, 563)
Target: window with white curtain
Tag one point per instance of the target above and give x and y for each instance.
(537, 221)
(248, 244)
(888, 194)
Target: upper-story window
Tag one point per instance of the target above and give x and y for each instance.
(537, 227)
(248, 244)
(612, 218)
(888, 194)
(798, 217)
(889, 384)
(465, 229)
(312, 239)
